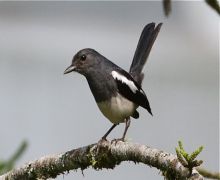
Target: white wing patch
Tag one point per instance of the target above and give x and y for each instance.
(123, 79)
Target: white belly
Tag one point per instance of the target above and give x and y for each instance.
(117, 109)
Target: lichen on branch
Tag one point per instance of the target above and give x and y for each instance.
(98, 156)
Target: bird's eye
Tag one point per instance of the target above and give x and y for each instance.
(83, 57)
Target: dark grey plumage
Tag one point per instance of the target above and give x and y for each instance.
(117, 92)
(145, 43)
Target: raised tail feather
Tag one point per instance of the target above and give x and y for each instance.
(146, 41)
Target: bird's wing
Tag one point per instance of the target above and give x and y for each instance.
(130, 89)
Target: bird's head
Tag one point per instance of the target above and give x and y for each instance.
(84, 61)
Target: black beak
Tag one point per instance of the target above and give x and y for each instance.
(69, 69)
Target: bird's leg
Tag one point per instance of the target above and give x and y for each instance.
(107, 133)
(103, 139)
(127, 124)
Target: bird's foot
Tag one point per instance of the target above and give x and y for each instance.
(115, 141)
(101, 141)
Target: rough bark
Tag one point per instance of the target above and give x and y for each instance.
(102, 155)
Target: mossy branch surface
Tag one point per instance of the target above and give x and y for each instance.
(98, 156)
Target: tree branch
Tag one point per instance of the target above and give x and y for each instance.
(103, 155)
(208, 174)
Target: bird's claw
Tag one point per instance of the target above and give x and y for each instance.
(115, 141)
(101, 141)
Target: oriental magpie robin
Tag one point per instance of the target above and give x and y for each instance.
(117, 92)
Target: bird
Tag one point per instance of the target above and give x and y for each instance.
(118, 93)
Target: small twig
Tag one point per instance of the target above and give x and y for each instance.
(214, 4)
(208, 174)
(167, 7)
(8, 165)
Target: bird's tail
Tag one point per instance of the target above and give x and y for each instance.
(146, 41)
